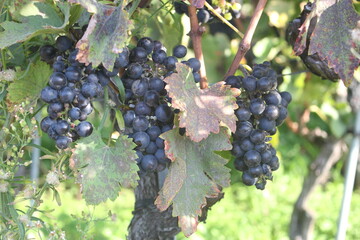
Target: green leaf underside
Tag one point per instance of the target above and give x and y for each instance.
(102, 169)
(201, 110)
(194, 173)
(29, 86)
(332, 37)
(105, 36)
(43, 20)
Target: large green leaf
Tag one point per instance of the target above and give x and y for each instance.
(201, 110)
(194, 174)
(36, 18)
(106, 34)
(102, 169)
(28, 85)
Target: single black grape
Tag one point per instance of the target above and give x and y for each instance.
(134, 70)
(63, 142)
(66, 95)
(47, 53)
(140, 124)
(57, 80)
(141, 108)
(49, 95)
(179, 51)
(63, 43)
(159, 56)
(252, 158)
(149, 163)
(151, 98)
(62, 127)
(46, 123)
(74, 113)
(138, 54)
(84, 129)
(194, 64)
(146, 43)
(247, 179)
(164, 113)
(141, 139)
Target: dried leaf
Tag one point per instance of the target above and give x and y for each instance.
(202, 110)
(106, 34)
(331, 26)
(102, 169)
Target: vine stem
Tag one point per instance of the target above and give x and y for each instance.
(246, 41)
(195, 35)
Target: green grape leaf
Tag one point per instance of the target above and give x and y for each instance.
(196, 172)
(101, 169)
(332, 27)
(28, 85)
(201, 110)
(106, 35)
(38, 18)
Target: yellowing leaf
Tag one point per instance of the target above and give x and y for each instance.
(102, 169)
(201, 110)
(194, 174)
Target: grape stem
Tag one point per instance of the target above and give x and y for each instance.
(223, 19)
(195, 35)
(246, 41)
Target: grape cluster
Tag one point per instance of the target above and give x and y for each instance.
(71, 89)
(261, 109)
(229, 9)
(149, 114)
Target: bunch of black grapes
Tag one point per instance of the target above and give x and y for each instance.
(261, 109)
(149, 113)
(72, 88)
(230, 10)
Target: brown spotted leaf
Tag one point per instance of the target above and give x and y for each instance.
(331, 27)
(194, 174)
(201, 110)
(106, 34)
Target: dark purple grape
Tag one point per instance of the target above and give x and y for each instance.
(63, 142)
(266, 124)
(52, 132)
(47, 53)
(129, 117)
(57, 80)
(161, 157)
(160, 143)
(274, 163)
(149, 163)
(62, 127)
(243, 114)
(140, 124)
(139, 87)
(260, 147)
(56, 107)
(286, 96)
(89, 89)
(203, 15)
(46, 123)
(271, 112)
(233, 81)
(282, 115)
(74, 113)
(243, 129)
(153, 132)
(123, 59)
(49, 95)
(240, 165)
(157, 46)
(134, 70)
(159, 56)
(58, 66)
(80, 101)
(252, 158)
(151, 148)
(141, 108)
(151, 98)
(246, 144)
(141, 139)
(84, 129)
(146, 43)
(164, 113)
(166, 128)
(247, 179)
(249, 83)
(264, 84)
(179, 51)
(197, 77)
(156, 84)
(66, 95)
(260, 185)
(257, 136)
(257, 106)
(194, 64)
(140, 156)
(256, 171)
(272, 98)
(72, 57)
(138, 54)
(266, 156)
(170, 63)
(87, 109)
(103, 79)
(112, 73)
(236, 150)
(63, 43)
(92, 78)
